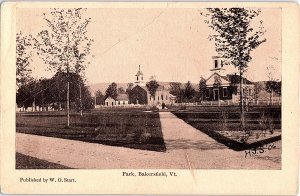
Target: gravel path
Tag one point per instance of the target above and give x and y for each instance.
(187, 148)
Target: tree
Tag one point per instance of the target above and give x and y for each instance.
(23, 58)
(272, 85)
(121, 90)
(189, 91)
(64, 46)
(176, 89)
(258, 87)
(100, 98)
(129, 87)
(112, 91)
(152, 86)
(235, 39)
(202, 88)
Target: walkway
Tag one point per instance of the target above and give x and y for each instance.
(187, 148)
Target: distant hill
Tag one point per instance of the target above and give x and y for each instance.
(103, 86)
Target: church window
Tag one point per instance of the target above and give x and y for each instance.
(207, 93)
(216, 63)
(119, 102)
(123, 102)
(150, 97)
(137, 78)
(162, 97)
(154, 98)
(221, 63)
(157, 97)
(166, 97)
(225, 94)
(142, 77)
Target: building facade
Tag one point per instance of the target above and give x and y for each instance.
(140, 94)
(121, 100)
(222, 86)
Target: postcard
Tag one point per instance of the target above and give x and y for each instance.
(149, 98)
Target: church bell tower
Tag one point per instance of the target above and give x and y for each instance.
(218, 65)
(139, 77)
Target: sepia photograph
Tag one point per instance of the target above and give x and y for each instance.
(149, 98)
(148, 88)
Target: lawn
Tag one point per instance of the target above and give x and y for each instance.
(262, 125)
(133, 128)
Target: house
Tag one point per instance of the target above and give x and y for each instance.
(140, 94)
(121, 100)
(224, 86)
(109, 101)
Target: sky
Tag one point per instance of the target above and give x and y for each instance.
(170, 43)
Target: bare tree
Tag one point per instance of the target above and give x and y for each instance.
(272, 85)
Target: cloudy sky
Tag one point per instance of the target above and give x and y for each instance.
(169, 43)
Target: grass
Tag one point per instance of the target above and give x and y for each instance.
(133, 128)
(262, 125)
(28, 162)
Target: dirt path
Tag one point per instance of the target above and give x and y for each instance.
(187, 148)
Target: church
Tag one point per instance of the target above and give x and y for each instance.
(224, 86)
(140, 94)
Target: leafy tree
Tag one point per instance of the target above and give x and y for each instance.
(100, 98)
(112, 91)
(175, 89)
(202, 88)
(23, 58)
(121, 90)
(189, 91)
(258, 87)
(24, 96)
(152, 86)
(64, 47)
(235, 38)
(129, 87)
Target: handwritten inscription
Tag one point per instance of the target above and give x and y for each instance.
(259, 150)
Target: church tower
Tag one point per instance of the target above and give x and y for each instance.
(139, 78)
(218, 65)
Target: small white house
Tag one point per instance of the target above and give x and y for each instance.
(110, 102)
(121, 100)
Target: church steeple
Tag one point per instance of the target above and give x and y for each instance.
(218, 65)
(140, 77)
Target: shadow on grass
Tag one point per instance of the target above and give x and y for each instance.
(239, 146)
(28, 162)
(194, 145)
(127, 128)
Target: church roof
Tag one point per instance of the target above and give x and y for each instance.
(232, 78)
(139, 73)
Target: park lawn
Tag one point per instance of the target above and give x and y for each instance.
(262, 125)
(132, 128)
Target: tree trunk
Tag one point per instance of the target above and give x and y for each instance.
(68, 103)
(80, 98)
(242, 102)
